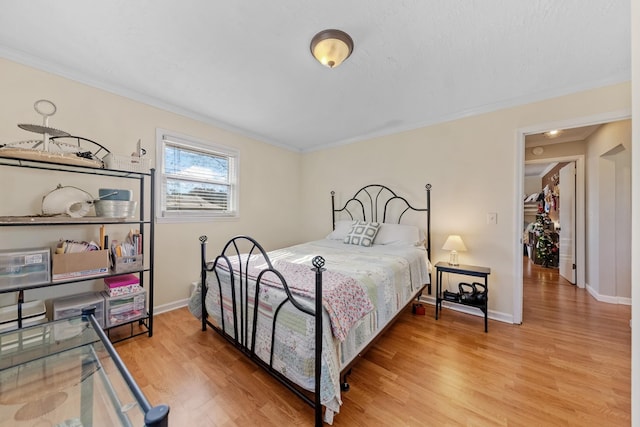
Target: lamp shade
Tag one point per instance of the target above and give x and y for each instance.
(454, 243)
(331, 47)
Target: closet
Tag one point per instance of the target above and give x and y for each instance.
(542, 220)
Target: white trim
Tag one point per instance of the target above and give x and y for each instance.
(74, 75)
(517, 223)
(206, 146)
(50, 67)
(491, 314)
(607, 117)
(159, 309)
(608, 298)
(596, 119)
(471, 112)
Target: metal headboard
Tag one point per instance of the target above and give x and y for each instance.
(373, 202)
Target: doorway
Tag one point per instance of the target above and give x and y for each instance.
(550, 216)
(579, 205)
(586, 253)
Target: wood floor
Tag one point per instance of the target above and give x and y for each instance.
(568, 364)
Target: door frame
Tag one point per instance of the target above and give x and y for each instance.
(613, 116)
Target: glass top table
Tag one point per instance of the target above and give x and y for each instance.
(67, 374)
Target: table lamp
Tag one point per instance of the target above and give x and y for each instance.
(454, 244)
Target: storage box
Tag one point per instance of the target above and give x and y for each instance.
(125, 308)
(121, 285)
(127, 163)
(124, 264)
(72, 306)
(80, 265)
(33, 313)
(24, 267)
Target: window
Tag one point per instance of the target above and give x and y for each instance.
(197, 179)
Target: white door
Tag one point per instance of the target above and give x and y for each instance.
(567, 259)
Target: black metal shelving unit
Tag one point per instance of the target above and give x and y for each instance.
(144, 222)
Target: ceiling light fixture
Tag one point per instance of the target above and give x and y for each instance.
(331, 47)
(553, 133)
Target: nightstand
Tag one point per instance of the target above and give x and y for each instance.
(466, 270)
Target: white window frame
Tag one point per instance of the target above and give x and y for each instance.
(188, 142)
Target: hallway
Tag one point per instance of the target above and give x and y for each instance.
(550, 299)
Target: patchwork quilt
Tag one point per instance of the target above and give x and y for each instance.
(363, 289)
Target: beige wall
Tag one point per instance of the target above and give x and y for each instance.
(472, 164)
(462, 159)
(557, 150)
(608, 204)
(269, 186)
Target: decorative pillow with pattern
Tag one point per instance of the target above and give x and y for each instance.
(362, 233)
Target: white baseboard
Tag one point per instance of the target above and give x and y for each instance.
(158, 309)
(176, 304)
(493, 315)
(608, 298)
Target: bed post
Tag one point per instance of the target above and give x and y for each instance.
(203, 279)
(428, 188)
(318, 263)
(333, 210)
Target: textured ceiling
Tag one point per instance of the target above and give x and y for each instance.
(246, 66)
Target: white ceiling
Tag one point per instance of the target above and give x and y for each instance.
(246, 66)
(539, 169)
(565, 135)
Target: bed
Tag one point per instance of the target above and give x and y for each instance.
(367, 270)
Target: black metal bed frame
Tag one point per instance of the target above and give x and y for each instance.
(373, 198)
(242, 249)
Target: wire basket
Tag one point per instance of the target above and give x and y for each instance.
(127, 163)
(124, 264)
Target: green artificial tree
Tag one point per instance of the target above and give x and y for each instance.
(546, 250)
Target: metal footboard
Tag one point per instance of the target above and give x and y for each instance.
(240, 251)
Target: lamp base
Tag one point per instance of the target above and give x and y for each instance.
(453, 258)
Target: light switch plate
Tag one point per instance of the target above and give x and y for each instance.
(492, 218)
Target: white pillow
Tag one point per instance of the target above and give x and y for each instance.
(362, 233)
(343, 227)
(399, 234)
